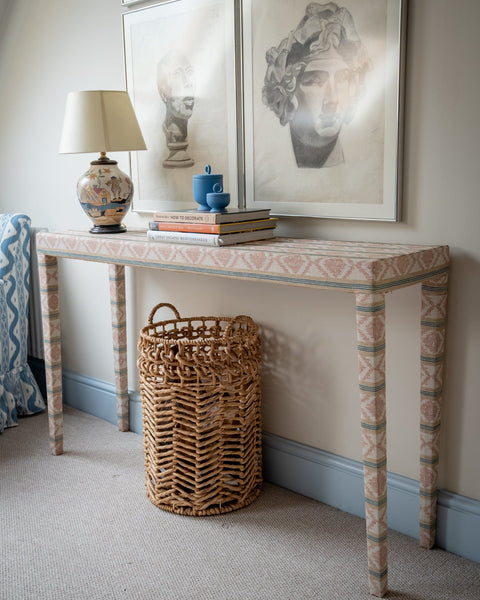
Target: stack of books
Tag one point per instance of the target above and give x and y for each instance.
(233, 226)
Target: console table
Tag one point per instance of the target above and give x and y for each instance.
(368, 270)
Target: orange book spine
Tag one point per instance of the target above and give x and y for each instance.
(187, 227)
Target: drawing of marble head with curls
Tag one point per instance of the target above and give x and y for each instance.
(313, 80)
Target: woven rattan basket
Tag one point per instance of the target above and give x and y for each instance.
(200, 390)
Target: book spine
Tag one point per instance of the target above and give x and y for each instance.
(191, 217)
(187, 227)
(205, 239)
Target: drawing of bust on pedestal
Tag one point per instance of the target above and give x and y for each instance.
(313, 80)
(176, 86)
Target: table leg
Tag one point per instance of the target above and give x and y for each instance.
(49, 297)
(370, 317)
(434, 310)
(119, 333)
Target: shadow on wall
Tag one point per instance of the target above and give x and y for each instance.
(463, 343)
(291, 369)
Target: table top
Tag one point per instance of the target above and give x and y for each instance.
(349, 266)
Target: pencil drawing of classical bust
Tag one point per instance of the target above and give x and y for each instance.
(313, 80)
(176, 86)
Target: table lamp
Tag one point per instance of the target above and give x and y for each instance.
(102, 121)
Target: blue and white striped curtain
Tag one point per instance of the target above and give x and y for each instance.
(19, 392)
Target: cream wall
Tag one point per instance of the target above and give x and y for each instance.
(51, 47)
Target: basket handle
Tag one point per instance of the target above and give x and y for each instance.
(230, 329)
(161, 305)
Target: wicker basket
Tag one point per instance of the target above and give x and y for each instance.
(200, 389)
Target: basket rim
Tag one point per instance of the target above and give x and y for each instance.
(233, 334)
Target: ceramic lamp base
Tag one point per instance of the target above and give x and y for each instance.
(120, 228)
(105, 194)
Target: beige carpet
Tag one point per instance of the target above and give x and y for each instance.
(80, 526)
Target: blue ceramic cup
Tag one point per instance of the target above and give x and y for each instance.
(203, 185)
(218, 200)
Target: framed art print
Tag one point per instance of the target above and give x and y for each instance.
(323, 87)
(180, 72)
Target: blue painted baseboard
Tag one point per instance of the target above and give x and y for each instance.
(326, 477)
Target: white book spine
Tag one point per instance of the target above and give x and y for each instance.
(204, 239)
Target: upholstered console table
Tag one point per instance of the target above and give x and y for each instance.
(368, 270)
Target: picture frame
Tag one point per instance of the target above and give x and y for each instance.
(131, 2)
(323, 107)
(181, 77)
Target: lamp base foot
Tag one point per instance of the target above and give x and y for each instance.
(117, 228)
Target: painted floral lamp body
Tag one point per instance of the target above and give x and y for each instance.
(105, 194)
(313, 80)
